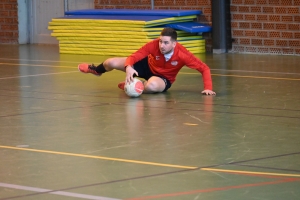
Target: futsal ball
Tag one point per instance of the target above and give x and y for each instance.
(134, 88)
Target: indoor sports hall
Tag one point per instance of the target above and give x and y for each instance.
(66, 135)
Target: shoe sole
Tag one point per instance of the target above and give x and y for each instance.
(87, 73)
(122, 83)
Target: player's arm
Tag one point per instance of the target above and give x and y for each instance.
(130, 71)
(207, 82)
(195, 63)
(135, 57)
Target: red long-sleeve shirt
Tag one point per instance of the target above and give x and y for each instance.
(169, 69)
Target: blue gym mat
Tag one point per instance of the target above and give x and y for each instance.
(169, 13)
(115, 17)
(190, 27)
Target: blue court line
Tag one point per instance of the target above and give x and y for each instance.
(47, 191)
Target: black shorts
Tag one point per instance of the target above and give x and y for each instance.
(142, 67)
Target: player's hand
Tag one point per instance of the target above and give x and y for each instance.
(208, 92)
(130, 71)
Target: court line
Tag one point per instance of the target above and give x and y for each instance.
(250, 172)
(232, 105)
(211, 69)
(100, 157)
(169, 101)
(263, 167)
(47, 111)
(47, 191)
(215, 189)
(229, 75)
(13, 77)
(34, 65)
(208, 168)
(161, 164)
(37, 60)
(259, 77)
(263, 158)
(239, 76)
(104, 183)
(248, 71)
(122, 104)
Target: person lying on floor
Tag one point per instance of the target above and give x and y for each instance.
(158, 62)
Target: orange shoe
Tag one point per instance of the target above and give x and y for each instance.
(121, 85)
(86, 68)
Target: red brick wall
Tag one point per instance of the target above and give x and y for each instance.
(266, 26)
(9, 22)
(258, 26)
(203, 5)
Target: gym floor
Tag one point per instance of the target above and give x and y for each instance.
(67, 135)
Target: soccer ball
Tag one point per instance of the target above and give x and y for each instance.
(134, 88)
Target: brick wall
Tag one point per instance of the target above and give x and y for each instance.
(203, 5)
(258, 26)
(8, 22)
(266, 26)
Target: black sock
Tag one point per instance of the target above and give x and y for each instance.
(100, 69)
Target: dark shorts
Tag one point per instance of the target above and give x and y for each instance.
(142, 67)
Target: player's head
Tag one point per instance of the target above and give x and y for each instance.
(167, 40)
(169, 32)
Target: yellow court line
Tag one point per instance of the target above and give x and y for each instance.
(149, 163)
(238, 76)
(250, 172)
(99, 157)
(38, 65)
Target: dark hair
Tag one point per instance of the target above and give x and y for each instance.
(169, 32)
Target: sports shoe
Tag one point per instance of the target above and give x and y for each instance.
(86, 68)
(121, 85)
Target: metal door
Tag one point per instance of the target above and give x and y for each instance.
(42, 12)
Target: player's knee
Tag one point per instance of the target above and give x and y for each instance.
(110, 63)
(153, 86)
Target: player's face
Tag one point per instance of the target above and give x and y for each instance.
(166, 45)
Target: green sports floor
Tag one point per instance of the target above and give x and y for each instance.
(66, 135)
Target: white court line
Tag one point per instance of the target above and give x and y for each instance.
(35, 65)
(244, 71)
(38, 60)
(46, 191)
(228, 70)
(12, 77)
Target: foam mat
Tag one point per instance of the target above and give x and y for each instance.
(122, 32)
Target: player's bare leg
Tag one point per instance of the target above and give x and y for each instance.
(115, 63)
(154, 84)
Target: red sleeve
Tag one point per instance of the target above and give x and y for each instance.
(141, 53)
(193, 62)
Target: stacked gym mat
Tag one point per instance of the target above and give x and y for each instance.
(120, 32)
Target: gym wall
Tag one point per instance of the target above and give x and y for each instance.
(9, 32)
(258, 26)
(266, 26)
